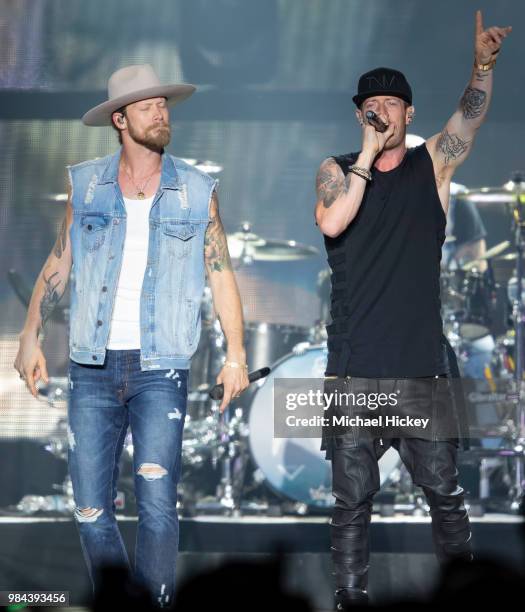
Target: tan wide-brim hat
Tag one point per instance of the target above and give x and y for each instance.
(131, 84)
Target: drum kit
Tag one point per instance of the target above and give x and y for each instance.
(232, 463)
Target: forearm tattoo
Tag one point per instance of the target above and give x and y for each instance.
(451, 146)
(216, 253)
(60, 244)
(51, 296)
(473, 102)
(330, 186)
(481, 76)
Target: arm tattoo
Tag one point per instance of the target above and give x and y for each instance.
(330, 186)
(216, 253)
(51, 296)
(60, 244)
(473, 102)
(481, 76)
(451, 146)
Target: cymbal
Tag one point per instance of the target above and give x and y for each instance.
(456, 188)
(248, 244)
(494, 196)
(208, 166)
(492, 252)
(508, 257)
(55, 198)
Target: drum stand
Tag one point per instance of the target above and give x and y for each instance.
(230, 453)
(518, 386)
(62, 502)
(226, 499)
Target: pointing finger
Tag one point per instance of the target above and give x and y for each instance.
(479, 23)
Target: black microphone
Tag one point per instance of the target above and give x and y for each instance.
(374, 120)
(217, 391)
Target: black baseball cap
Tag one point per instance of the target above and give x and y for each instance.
(382, 82)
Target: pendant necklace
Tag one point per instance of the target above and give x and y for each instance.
(140, 190)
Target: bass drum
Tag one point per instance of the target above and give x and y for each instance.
(296, 468)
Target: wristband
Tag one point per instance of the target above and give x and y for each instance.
(485, 67)
(362, 172)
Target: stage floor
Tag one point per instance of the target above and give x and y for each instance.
(44, 552)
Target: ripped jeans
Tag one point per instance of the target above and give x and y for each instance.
(103, 400)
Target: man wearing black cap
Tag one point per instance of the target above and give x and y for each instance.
(382, 211)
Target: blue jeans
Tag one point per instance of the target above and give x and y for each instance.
(103, 400)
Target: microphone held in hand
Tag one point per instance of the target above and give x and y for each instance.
(374, 121)
(217, 391)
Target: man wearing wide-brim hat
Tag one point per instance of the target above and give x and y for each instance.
(141, 229)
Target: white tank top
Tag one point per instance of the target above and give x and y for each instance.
(124, 330)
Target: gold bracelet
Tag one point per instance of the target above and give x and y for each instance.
(235, 364)
(485, 67)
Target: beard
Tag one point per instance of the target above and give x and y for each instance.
(154, 138)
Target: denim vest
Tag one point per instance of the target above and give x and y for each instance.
(173, 284)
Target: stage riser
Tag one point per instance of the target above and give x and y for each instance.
(47, 555)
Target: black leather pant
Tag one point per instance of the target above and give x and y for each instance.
(355, 473)
(432, 464)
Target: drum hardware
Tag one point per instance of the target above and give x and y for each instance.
(233, 461)
(487, 197)
(295, 469)
(508, 358)
(265, 344)
(56, 390)
(469, 301)
(268, 342)
(247, 247)
(503, 268)
(503, 363)
(227, 462)
(56, 443)
(518, 383)
(33, 504)
(479, 290)
(317, 333)
(301, 348)
(200, 441)
(225, 491)
(489, 254)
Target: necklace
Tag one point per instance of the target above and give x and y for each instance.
(140, 190)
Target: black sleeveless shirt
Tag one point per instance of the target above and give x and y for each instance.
(385, 303)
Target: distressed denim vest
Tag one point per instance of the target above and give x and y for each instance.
(173, 283)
